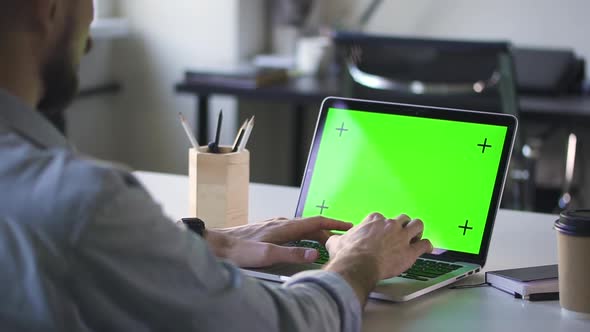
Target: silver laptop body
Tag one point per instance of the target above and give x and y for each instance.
(490, 133)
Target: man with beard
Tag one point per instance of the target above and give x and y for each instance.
(84, 248)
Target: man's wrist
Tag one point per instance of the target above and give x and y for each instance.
(359, 270)
(218, 242)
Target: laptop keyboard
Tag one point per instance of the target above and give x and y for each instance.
(422, 270)
(324, 255)
(426, 269)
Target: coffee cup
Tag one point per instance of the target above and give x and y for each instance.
(573, 247)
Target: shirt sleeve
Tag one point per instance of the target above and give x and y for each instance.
(135, 270)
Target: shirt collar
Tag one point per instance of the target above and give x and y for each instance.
(30, 123)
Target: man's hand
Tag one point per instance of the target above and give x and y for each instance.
(282, 230)
(259, 244)
(378, 248)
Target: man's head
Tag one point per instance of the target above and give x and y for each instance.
(53, 35)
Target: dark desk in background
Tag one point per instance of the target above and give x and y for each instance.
(300, 92)
(303, 91)
(571, 108)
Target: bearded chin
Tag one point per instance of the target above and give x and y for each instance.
(60, 85)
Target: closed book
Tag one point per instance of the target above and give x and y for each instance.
(239, 77)
(530, 283)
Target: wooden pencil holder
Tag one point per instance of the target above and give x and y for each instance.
(219, 184)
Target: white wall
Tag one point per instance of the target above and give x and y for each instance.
(140, 126)
(165, 39)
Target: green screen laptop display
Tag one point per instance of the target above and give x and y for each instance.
(441, 171)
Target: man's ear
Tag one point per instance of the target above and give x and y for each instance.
(45, 13)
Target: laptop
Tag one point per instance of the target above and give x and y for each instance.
(444, 166)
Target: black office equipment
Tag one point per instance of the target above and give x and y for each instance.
(548, 71)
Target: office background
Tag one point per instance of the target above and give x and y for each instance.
(138, 125)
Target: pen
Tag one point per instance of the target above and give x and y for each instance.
(188, 132)
(214, 146)
(247, 134)
(239, 136)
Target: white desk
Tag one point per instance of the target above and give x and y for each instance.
(519, 239)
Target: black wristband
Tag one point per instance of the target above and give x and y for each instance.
(194, 224)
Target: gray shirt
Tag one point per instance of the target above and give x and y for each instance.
(83, 247)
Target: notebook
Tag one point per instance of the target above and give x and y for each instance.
(444, 166)
(529, 283)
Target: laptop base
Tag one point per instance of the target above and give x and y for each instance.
(395, 289)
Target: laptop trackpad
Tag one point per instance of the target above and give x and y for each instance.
(288, 270)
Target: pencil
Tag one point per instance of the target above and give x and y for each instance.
(188, 132)
(239, 136)
(247, 134)
(218, 131)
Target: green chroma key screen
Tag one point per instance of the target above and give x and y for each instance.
(440, 171)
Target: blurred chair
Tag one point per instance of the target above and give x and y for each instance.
(443, 73)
